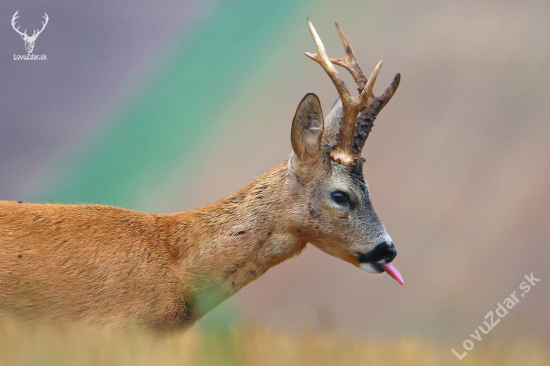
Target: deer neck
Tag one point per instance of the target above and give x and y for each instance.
(224, 246)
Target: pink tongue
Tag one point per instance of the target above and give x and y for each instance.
(392, 271)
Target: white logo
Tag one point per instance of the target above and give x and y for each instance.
(29, 40)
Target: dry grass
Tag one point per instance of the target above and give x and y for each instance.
(249, 344)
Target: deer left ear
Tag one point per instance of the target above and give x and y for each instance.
(307, 129)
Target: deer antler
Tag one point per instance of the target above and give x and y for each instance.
(46, 18)
(349, 63)
(34, 34)
(15, 16)
(352, 137)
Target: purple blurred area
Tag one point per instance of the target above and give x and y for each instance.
(94, 50)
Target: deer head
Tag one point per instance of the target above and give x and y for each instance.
(326, 168)
(29, 40)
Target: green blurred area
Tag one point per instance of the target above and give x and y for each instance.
(145, 140)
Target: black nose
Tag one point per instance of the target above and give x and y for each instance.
(383, 252)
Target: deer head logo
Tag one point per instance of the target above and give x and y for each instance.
(29, 41)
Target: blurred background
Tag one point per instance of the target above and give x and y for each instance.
(165, 106)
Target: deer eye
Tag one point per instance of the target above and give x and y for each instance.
(340, 198)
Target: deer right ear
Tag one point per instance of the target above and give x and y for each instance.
(307, 129)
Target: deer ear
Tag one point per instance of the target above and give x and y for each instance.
(307, 128)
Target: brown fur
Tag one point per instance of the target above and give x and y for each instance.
(119, 267)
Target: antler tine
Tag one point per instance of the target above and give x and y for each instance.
(349, 62)
(322, 59)
(46, 18)
(367, 90)
(13, 19)
(390, 90)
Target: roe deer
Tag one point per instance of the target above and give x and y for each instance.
(117, 267)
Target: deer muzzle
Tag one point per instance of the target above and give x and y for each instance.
(378, 260)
